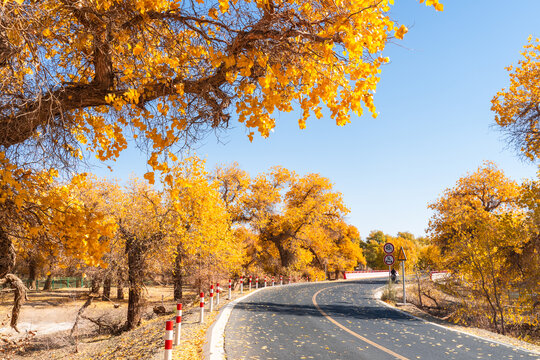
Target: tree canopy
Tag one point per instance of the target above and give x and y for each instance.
(166, 72)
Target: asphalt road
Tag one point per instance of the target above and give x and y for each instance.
(343, 321)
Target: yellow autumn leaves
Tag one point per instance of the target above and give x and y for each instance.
(174, 72)
(517, 107)
(43, 215)
(486, 230)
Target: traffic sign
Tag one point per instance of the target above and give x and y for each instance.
(388, 248)
(401, 255)
(389, 259)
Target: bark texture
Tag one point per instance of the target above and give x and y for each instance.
(19, 298)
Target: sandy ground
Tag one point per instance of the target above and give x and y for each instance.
(48, 312)
(145, 342)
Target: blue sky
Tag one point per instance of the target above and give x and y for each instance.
(434, 126)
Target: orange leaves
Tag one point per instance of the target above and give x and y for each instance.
(435, 3)
(401, 31)
(138, 49)
(149, 176)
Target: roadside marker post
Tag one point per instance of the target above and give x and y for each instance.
(289, 279)
(280, 279)
(217, 293)
(211, 298)
(178, 329)
(242, 284)
(230, 294)
(273, 281)
(257, 282)
(201, 305)
(168, 340)
(265, 281)
(249, 282)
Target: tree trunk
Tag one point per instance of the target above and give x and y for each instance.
(96, 285)
(48, 283)
(177, 276)
(135, 251)
(7, 254)
(19, 298)
(32, 274)
(419, 290)
(106, 288)
(120, 290)
(286, 256)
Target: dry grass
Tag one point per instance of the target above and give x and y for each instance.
(446, 302)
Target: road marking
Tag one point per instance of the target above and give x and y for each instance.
(380, 347)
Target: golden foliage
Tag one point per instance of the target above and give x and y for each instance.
(167, 73)
(517, 107)
(481, 231)
(43, 215)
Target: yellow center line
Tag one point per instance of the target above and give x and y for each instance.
(380, 347)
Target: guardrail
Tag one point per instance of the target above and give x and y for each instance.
(439, 275)
(367, 274)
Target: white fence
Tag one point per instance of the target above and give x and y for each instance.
(365, 274)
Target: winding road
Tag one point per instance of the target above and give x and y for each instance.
(342, 320)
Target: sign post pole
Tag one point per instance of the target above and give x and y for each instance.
(403, 272)
(401, 257)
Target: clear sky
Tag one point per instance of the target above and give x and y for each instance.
(434, 126)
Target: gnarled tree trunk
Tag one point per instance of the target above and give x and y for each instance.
(48, 283)
(106, 288)
(96, 285)
(285, 255)
(178, 276)
(120, 290)
(135, 250)
(7, 254)
(7, 262)
(32, 273)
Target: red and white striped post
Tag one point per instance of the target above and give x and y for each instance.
(168, 340)
(201, 305)
(265, 281)
(280, 279)
(249, 282)
(217, 293)
(242, 284)
(211, 298)
(257, 282)
(289, 279)
(178, 329)
(273, 281)
(230, 290)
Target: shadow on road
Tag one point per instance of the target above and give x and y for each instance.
(339, 309)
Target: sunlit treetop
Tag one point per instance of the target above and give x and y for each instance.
(96, 73)
(517, 108)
